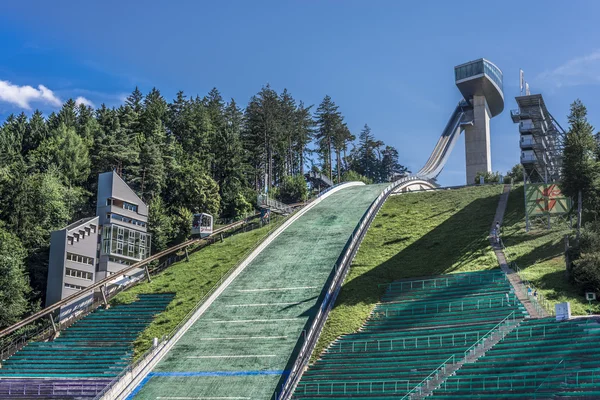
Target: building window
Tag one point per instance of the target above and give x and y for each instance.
(74, 287)
(70, 240)
(119, 247)
(130, 207)
(75, 273)
(119, 261)
(128, 220)
(80, 259)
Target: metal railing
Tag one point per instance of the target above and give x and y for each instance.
(418, 389)
(493, 302)
(356, 387)
(22, 389)
(445, 281)
(481, 341)
(403, 343)
(518, 381)
(265, 202)
(539, 302)
(561, 362)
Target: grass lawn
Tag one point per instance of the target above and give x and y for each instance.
(414, 235)
(540, 255)
(190, 281)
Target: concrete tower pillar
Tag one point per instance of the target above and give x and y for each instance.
(477, 140)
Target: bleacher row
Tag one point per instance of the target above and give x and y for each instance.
(84, 358)
(419, 325)
(541, 358)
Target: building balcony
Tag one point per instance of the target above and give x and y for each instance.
(526, 126)
(516, 115)
(526, 143)
(528, 158)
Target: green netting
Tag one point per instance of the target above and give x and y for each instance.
(258, 321)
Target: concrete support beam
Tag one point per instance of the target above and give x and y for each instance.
(477, 140)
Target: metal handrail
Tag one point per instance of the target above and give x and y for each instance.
(547, 376)
(458, 277)
(488, 334)
(539, 303)
(428, 377)
(406, 340)
(348, 386)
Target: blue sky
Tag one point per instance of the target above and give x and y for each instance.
(385, 63)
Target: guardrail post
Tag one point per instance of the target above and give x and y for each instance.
(187, 256)
(54, 328)
(147, 273)
(103, 291)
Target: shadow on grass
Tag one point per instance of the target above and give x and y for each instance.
(545, 252)
(445, 249)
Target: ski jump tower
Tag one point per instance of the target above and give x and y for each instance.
(480, 83)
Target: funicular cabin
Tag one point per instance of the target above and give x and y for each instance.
(202, 225)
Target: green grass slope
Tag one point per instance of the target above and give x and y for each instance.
(540, 255)
(414, 235)
(190, 281)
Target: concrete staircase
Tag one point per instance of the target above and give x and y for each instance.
(512, 276)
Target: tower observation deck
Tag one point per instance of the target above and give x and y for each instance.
(480, 83)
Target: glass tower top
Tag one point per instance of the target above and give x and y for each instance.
(478, 67)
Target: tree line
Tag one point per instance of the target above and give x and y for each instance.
(192, 154)
(581, 181)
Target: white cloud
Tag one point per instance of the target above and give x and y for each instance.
(577, 71)
(84, 101)
(22, 96)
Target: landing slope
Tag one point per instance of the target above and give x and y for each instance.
(242, 345)
(415, 235)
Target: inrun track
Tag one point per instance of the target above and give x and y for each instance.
(233, 351)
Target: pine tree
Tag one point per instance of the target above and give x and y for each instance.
(328, 120)
(263, 125)
(35, 133)
(580, 170)
(304, 130)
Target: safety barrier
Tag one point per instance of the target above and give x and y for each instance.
(22, 389)
(445, 281)
(357, 387)
(404, 343)
(451, 306)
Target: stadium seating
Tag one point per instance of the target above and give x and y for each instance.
(542, 358)
(94, 349)
(419, 325)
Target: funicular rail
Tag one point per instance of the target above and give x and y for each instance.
(48, 311)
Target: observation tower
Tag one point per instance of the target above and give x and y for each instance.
(480, 83)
